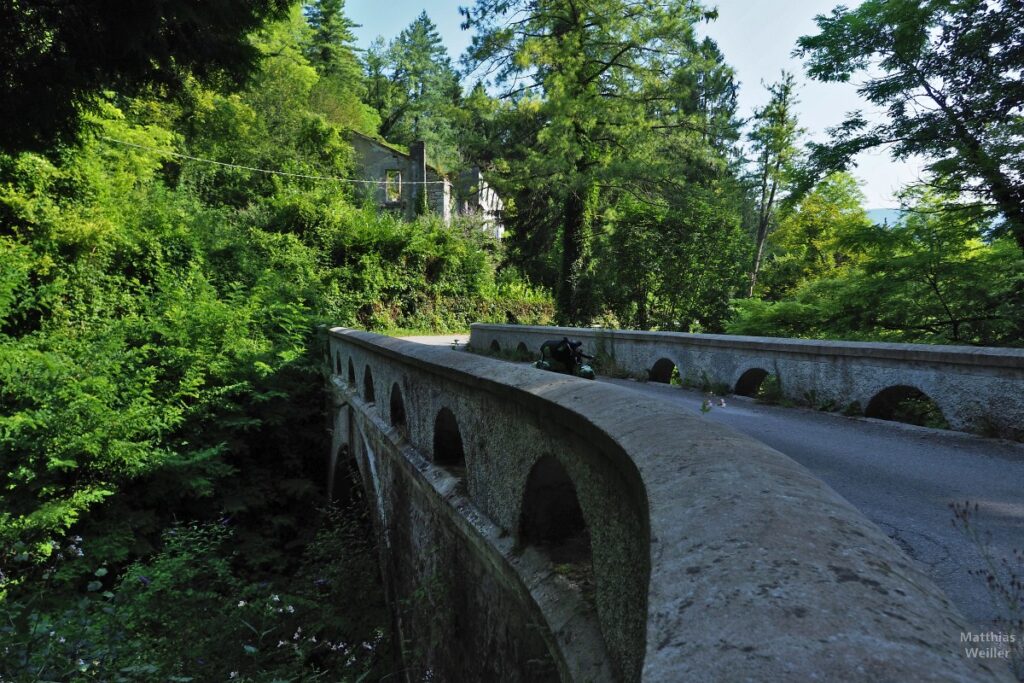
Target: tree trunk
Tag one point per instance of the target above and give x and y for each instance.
(764, 220)
(573, 256)
(1010, 201)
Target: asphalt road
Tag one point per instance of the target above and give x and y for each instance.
(903, 478)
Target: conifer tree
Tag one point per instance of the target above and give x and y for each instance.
(416, 90)
(330, 48)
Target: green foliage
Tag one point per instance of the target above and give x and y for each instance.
(809, 241)
(853, 409)
(773, 141)
(919, 411)
(187, 613)
(329, 45)
(612, 106)
(416, 91)
(770, 390)
(55, 58)
(932, 278)
(947, 75)
(675, 265)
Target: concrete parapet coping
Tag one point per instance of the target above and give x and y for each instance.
(927, 353)
(756, 569)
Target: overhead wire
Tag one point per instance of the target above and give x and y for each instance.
(267, 171)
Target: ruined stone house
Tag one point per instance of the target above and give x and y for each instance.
(401, 177)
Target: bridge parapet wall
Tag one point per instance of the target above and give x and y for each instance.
(978, 389)
(708, 555)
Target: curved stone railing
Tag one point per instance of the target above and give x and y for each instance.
(711, 556)
(978, 389)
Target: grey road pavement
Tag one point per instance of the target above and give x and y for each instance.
(903, 478)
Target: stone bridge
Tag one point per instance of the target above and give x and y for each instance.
(978, 389)
(539, 527)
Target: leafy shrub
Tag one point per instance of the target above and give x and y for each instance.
(187, 613)
(919, 411)
(770, 390)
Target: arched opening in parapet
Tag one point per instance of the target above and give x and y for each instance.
(398, 420)
(368, 395)
(523, 352)
(662, 371)
(337, 362)
(908, 404)
(351, 372)
(750, 381)
(551, 517)
(495, 346)
(448, 450)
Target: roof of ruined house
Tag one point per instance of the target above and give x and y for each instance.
(394, 148)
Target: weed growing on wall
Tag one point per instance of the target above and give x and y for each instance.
(770, 390)
(605, 361)
(1004, 578)
(919, 411)
(812, 400)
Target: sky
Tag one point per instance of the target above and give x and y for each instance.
(757, 38)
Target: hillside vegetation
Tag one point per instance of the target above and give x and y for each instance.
(162, 427)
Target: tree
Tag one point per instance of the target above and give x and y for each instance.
(808, 243)
(774, 140)
(610, 96)
(56, 56)
(415, 89)
(672, 265)
(329, 45)
(948, 75)
(933, 276)
(930, 278)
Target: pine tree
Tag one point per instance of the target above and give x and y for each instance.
(416, 90)
(330, 48)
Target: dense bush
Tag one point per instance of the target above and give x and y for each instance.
(935, 277)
